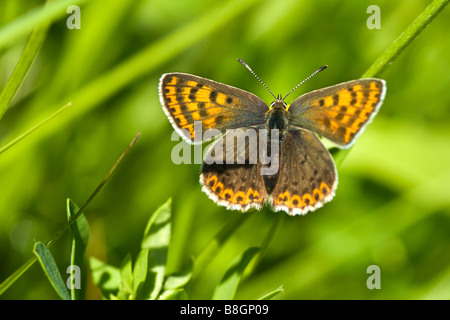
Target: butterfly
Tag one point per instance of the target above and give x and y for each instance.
(306, 177)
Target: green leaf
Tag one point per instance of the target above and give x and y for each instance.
(126, 279)
(104, 276)
(178, 280)
(51, 270)
(156, 240)
(140, 273)
(272, 294)
(176, 294)
(228, 286)
(80, 235)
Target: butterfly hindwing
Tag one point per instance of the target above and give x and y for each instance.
(237, 184)
(340, 112)
(308, 176)
(187, 98)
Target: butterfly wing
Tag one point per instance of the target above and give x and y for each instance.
(187, 98)
(308, 176)
(340, 112)
(238, 184)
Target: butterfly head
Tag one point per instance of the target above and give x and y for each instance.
(278, 103)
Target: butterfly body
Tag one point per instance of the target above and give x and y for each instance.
(306, 175)
(278, 117)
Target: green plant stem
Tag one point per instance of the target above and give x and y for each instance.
(29, 131)
(96, 191)
(407, 36)
(215, 245)
(12, 278)
(393, 51)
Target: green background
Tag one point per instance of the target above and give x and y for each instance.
(392, 205)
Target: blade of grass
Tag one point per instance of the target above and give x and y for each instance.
(80, 236)
(32, 129)
(265, 244)
(16, 275)
(50, 268)
(214, 246)
(30, 52)
(44, 14)
(393, 51)
(411, 32)
(96, 191)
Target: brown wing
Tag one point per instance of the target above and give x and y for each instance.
(238, 184)
(307, 177)
(189, 100)
(340, 112)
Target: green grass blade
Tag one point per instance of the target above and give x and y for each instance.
(214, 246)
(16, 275)
(51, 270)
(265, 244)
(407, 36)
(20, 71)
(227, 287)
(44, 14)
(32, 129)
(80, 236)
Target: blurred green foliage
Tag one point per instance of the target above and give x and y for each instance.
(392, 206)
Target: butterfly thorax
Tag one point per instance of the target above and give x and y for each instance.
(278, 117)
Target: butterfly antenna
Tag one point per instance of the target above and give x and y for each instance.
(253, 73)
(314, 73)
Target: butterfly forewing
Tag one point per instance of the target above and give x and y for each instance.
(340, 112)
(187, 98)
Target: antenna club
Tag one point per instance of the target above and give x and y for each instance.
(314, 73)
